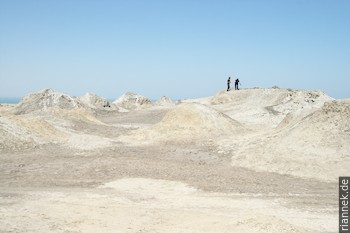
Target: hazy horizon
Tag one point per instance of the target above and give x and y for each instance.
(179, 49)
(16, 99)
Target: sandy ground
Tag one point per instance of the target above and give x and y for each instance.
(113, 173)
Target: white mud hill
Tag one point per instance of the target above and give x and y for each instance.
(45, 99)
(316, 146)
(48, 98)
(186, 122)
(54, 126)
(48, 117)
(132, 101)
(164, 101)
(92, 101)
(18, 133)
(266, 108)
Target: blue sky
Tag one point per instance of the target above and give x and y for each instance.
(182, 49)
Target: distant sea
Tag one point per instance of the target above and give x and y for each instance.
(10, 100)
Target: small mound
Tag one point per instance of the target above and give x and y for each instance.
(21, 132)
(198, 118)
(45, 99)
(93, 101)
(190, 121)
(68, 117)
(132, 101)
(18, 133)
(164, 101)
(328, 127)
(315, 147)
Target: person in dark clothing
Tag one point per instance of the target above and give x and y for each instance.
(236, 84)
(228, 83)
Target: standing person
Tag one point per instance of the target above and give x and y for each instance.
(228, 83)
(236, 84)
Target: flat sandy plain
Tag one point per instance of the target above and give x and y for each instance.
(254, 160)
